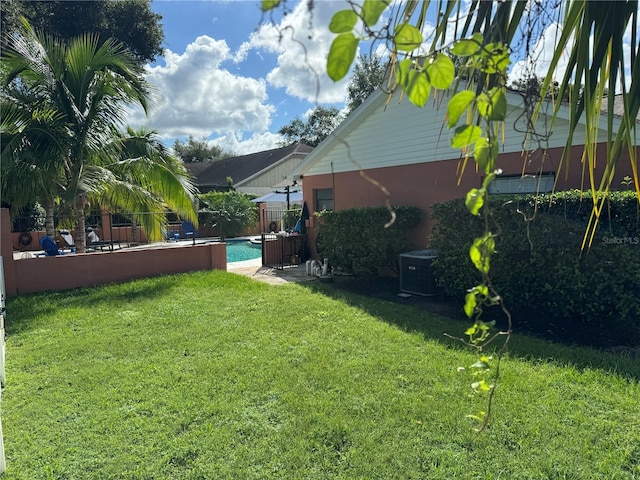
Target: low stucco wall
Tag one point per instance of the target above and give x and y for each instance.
(80, 270)
(29, 275)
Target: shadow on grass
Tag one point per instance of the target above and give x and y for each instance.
(26, 312)
(433, 318)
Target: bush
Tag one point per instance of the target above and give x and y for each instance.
(356, 240)
(290, 218)
(233, 212)
(551, 289)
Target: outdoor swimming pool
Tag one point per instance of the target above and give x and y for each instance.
(240, 250)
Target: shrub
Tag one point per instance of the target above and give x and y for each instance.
(233, 212)
(356, 240)
(290, 218)
(552, 289)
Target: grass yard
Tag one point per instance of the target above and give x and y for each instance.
(215, 376)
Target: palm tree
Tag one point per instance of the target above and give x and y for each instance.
(89, 87)
(31, 153)
(145, 181)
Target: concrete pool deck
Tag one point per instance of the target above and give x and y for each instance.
(254, 269)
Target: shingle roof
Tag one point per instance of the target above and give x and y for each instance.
(212, 176)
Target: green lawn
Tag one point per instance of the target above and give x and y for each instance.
(215, 376)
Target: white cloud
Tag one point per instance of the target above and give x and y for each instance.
(540, 58)
(258, 142)
(209, 91)
(199, 97)
(301, 42)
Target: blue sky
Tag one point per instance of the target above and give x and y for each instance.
(227, 77)
(235, 78)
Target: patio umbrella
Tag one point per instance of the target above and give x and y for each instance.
(294, 197)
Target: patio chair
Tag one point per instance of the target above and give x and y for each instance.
(49, 246)
(68, 239)
(189, 231)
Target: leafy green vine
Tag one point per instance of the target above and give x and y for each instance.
(476, 115)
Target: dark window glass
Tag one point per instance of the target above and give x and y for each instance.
(323, 199)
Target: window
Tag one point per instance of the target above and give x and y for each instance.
(323, 199)
(542, 183)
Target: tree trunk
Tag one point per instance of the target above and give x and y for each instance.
(80, 236)
(49, 224)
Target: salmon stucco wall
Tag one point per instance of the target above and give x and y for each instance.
(424, 184)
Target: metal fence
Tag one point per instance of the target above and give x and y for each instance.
(276, 219)
(112, 229)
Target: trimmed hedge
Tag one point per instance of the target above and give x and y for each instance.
(551, 289)
(356, 241)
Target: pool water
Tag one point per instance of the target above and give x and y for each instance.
(240, 250)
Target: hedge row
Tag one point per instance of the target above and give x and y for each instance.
(356, 240)
(549, 287)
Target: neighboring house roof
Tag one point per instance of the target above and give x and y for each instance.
(389, 131)
(241, 169)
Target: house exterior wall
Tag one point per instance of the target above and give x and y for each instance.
(426, 183)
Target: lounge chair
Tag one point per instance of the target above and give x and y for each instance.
(68, 239)
(94, 242)
(49, 246)
(189, 231)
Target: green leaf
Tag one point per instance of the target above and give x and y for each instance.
(493, 106)
(496, 58)
(341, 55)
(499, 103)
(481, 386)
(457, 105)
(469, 308)
(474, 200)
(485, 154)
(418, 88)
(343, 21)
(467, 46)
(404, 69)
(465, 135)
(372, 9)
(269, 4)
(441, 72)
(484, 104)
(481, 251)
(481, 291)
(407, 37)
(481, 365)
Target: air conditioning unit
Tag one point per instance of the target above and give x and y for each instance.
(416, 273)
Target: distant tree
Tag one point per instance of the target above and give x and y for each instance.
(198, 151)
(131, 22)
(532, 87)
(321, 122)
(368, 75)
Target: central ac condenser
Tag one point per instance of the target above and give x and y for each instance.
(416, 273)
